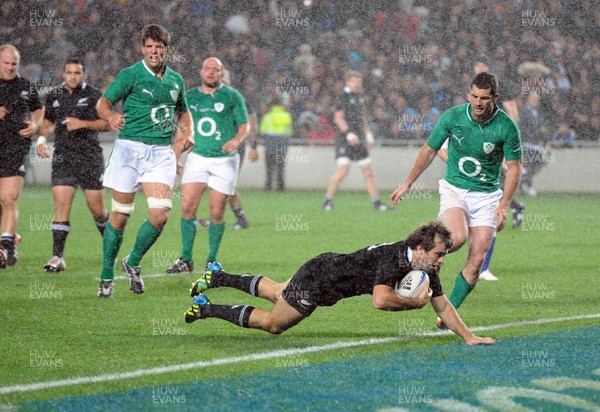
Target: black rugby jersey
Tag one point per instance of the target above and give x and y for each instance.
(345, 275)
(353, 106)
(81, 104)
(20, 98)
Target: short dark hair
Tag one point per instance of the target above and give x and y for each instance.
(75, 60)
(484, 81)
(424, 235)
(157, 33)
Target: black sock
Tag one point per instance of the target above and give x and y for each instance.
(238, 212)
(101, 224)
(516, 205)
(60, 231)
(238, 315)
(245, 283)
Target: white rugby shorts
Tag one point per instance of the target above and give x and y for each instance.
(218, 173)
(131, 163)
(480, 206)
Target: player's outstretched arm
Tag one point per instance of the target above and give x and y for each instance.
(452, 320)
(423, 161)
(513, 178)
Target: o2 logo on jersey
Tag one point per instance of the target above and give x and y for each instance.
(472, 164)
(161, 118)
(212, 128)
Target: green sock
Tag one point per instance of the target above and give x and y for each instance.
(188, 234)
(146, 237)
(460, 291)
(111, 243)
(215, 234)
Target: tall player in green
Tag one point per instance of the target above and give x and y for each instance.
(152, 94)
(471, 204)
(221, 125)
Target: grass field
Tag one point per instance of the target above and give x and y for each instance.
(62, 344)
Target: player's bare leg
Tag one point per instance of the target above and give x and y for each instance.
(10, 189)
(367, 172)
(281, 318)
(95, 203)
(479, 242)
(63, 200)
(334, 183)
(271, 290)
(191, 194)
(336, 179)
(455, 219)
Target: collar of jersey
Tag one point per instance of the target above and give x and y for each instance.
(150, 70)
(488, 121)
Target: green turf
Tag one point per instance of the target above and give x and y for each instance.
(54, 327)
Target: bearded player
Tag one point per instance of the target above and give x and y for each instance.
(220, 121)
(472, 205)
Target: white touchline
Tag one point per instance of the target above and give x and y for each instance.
(159, 275)
(265, 355)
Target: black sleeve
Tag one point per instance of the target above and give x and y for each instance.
(509, 89)
(50, 113)
(435, 284)
(34, 102)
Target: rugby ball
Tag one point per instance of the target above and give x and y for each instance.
(412, 284)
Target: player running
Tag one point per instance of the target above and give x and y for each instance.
(142, 155)
(77, 159)
(330, 277)
(220, 119)
(472, 205)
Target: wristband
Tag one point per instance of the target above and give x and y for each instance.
(369, 136)
(41, 140)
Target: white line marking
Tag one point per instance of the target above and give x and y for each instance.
(159, 275)
(265, 355)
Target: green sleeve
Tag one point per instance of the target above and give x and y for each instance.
(513, 150)
(240, 112)
(182, 103)
(120, 87)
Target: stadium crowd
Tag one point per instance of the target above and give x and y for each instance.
(415, 56)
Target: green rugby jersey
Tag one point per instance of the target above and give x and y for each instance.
(476, 150)
(217, 117)
(150, 102)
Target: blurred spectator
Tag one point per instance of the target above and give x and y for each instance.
(428, 117)
(276, 128)
(305, 62)
(532, 136)
(434, 39)
(408, 118)
(563, 137)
